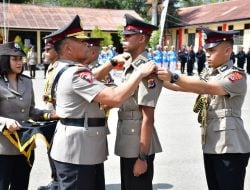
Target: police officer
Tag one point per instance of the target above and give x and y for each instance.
(16, 105)
(221, 90)
(201, 59)
(190, 60)
(248, 61)
(80, 145)
(241, 58)
(182, 55)
(50, 102)
(137, 140)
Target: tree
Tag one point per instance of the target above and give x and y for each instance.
(107, 38)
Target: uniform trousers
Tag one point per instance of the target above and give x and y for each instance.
(129, 181)
(226, 171)
(80, 177)
(183, 65)
(14, 172)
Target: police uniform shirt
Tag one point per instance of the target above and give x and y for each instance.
(130, 118)
(225, 131)
(18, 105)
(76, 90)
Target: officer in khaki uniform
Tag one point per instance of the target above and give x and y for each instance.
(221, 90)
(137, 140)
(80, 145)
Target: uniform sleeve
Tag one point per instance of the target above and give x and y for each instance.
(235, 83)
(85, 85)
(149, 91)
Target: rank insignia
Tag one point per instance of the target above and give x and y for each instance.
(223, 68)
(235, 76)
(151, 83)
(86, 75)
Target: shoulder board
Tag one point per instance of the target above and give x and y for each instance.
(238, 68)
(139, 62)
(25, 76)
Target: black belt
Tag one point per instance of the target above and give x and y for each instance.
(92, 122)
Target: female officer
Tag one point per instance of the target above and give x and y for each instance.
(16, 105)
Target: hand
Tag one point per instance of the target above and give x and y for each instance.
(140, 167)
(12, 125)
(53, 116)
(121, 59)
(163, 74)
(147, 68)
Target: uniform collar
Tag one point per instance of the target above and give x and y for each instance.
(225, 66)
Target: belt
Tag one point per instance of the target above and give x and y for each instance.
(92, 122)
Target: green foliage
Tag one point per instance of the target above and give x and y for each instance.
(154, 40)
(107, 38)
(190, 3)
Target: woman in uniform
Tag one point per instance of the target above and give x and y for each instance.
(16, 105)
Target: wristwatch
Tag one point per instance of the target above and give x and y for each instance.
(174, 78)
(142, 156)
(113, 62)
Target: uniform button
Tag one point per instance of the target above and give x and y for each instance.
(22, 110)
(21, 99)
(132, 130)
(97, 132)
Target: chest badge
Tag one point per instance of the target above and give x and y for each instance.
(151, 83)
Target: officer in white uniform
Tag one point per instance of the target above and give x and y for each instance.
(80, 145)
(137, 140)
(221, 90)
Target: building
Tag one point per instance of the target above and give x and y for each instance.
(223, 16)
(33, 22)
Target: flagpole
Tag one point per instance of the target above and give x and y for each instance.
(163, 20)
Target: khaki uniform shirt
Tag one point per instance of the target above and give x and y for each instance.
(225, 131)
(17, 105)
(48, 83)
(75, 92)
(127, 143)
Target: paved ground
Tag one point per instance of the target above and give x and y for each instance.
(178, 167)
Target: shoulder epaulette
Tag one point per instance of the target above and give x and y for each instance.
(238, 68)
(139, 62)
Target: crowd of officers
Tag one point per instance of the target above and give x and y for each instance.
(80, 98)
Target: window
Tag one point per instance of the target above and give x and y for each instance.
(219, 28)
(191, 39)
(231, 27)
(247, 26)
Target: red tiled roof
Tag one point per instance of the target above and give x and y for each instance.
(233, 10)
(36, 17)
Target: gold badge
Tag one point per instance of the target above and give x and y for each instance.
(151, 83)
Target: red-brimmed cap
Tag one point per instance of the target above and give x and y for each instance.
(135, 26)
(70, 30)
(213, 38)
(94, 41)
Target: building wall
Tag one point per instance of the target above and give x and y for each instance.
(187, 31)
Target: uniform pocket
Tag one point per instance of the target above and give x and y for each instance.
(96, 131)
(226, 123)
(131, 130)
